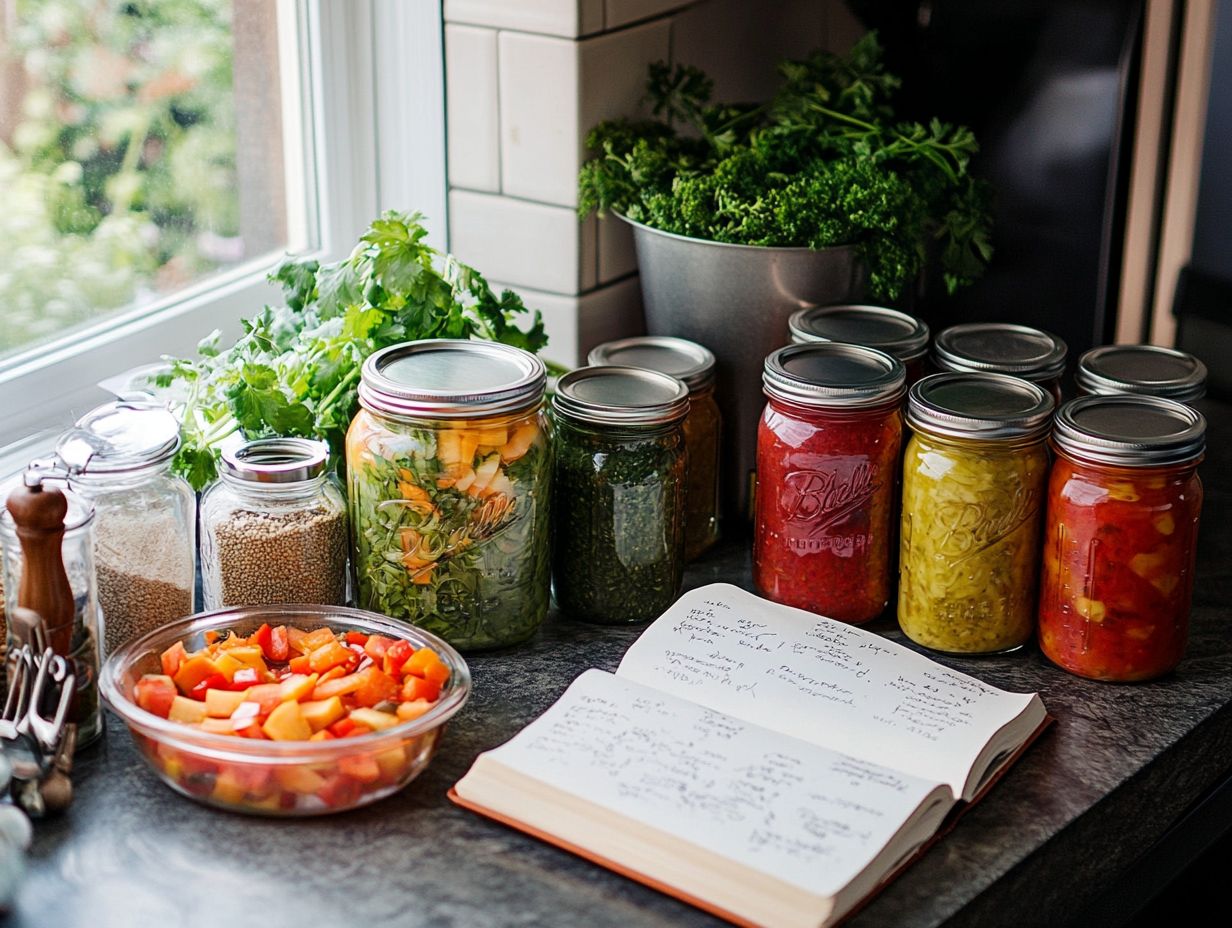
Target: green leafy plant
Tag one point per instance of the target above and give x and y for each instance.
(824, 163)
(295, 370)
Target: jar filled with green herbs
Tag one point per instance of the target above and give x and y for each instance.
(693, 365)
(449, 472)
(619, 481)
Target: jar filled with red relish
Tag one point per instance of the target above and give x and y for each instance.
(889, 330)
(1120, 535)
(827, 454)
(1001, 348)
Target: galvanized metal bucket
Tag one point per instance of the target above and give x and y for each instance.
(736, 300)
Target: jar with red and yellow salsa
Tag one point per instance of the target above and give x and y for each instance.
(1121, 528)
(827, 455)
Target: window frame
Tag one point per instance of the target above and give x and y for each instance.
(373, 144)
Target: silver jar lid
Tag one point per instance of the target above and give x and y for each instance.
(683, 359)
(276, 460)
(119, 437)
(612, 395)
(451, 379)
(833, 374)
(978, 405)
(1147, 370)
(888, 330)
(1000, 348)
(1130, 431)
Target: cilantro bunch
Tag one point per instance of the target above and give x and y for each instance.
(295, 371)
(823, 163)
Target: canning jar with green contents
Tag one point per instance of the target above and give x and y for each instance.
(974, 478)
(694, 366)
(620, 470)
(449, 472)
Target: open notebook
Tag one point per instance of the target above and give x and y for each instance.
(761, 762)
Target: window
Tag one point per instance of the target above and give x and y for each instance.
(157, 157)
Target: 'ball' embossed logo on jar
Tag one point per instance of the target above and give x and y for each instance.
(820, 499)
(972, 527)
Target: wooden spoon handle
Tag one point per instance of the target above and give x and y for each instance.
(38, 513)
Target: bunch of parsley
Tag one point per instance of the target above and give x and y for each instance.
(295, 371)
(823, 163)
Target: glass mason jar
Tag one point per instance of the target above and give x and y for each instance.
(898, 334)
(1001, 348)
(274, 527)
(973, 492)
(694, 365)
(827, 456)
(77, 550)
(145, 543)
(449, 471)
(618, 553)
(1120, 536)
(1143, 370)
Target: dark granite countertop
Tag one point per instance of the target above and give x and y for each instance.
(1095, 793)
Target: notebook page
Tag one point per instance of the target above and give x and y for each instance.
(820, 680)
(795, 811)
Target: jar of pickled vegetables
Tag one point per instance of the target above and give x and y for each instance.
(1120, 536)
(1143, 370)
(827, 455)
(694, 366)
(1001, 348)
(889, 330)
(449, 472)
(973, 491)
(620, 470)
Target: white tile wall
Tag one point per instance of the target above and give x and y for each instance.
(617, 257)
(623, 12)
(471, 107)
(569, 18)
(612, 73)
(523, 243)
(575, 324)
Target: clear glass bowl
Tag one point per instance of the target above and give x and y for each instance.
(288, 778)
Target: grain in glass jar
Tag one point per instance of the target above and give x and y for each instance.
(1001, 348)
(1141, 370)
(449, 471)
(896, 333)
(274, 527)
(827, 457)
(973, 491)
(1120, 536)
(145, 541)
(618, 543)
(694, 366)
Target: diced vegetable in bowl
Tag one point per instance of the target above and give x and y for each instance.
(286, 710)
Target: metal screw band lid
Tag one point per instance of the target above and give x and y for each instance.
(611, 395)
(1147, 370)
(1000, 348)
(833, 374)
(679, 357)
(888, 330)
(276, 460)
(1130, 431)
(451, 379)
(992, 406)
(119, 437)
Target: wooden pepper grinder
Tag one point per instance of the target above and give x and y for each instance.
(38, 513)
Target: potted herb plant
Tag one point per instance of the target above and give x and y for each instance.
(743, 214)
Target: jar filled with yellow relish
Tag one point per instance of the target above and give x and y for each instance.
(974, 477)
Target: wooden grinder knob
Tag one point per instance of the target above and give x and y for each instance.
(38, 513)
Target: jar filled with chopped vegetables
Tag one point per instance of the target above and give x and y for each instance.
(620, 472)
(973, 491)
(694, 366)
(449, 471)
(1120, 536)
(1001, 348)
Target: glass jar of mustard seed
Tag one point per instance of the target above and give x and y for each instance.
(1002, 348)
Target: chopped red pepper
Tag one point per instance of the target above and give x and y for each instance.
(396, 655)
(214, 681)
(359, 638)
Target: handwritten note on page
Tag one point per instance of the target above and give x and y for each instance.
(822, 681)
(803, 814)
